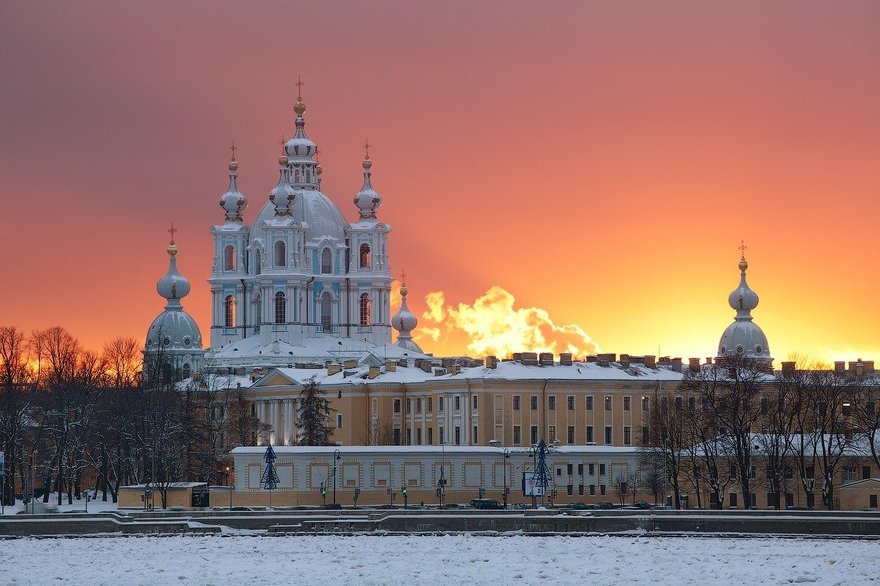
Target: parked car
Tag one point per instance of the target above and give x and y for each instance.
(606, 505)
(486, 504)
(579, 506)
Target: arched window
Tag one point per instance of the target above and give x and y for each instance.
(186, 371)
(365, 256)
(230, 311)
(280, 308)
(365, 309)
(296, 176)
(229, 258)
(258, 262)
(326, 261)
(280, 253)
(326, 311)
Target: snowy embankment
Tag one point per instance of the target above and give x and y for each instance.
(444, 559)
(96, 506)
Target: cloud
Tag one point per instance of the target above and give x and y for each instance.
(494, 325)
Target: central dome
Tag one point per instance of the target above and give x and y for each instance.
(323, 218)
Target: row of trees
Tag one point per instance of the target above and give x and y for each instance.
(725, 421)
(72, 419)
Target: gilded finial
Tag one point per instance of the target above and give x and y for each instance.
(300, 106)
(403, 289)
(743, 265)
(299, 87)
(367, 162)
(233, 164)
(172, 247)
(283, 160)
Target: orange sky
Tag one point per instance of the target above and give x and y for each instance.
(600, 161)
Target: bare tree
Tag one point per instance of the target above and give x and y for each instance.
(122, 356)
(15, 403)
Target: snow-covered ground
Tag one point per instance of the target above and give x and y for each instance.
(78, 505)
(431, 560)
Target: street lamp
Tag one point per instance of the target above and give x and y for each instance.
(336, 458)
(231, 487)
(506, 490)
(533, 453)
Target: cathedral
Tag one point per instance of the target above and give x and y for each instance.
(300, 285)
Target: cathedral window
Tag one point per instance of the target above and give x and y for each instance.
(326, 315)
(280, 308)
(365, 256)
(365, 309)
(230, 311)
(229, 258)
(326, 261)
(296, 176)
(258, 262)
(186, 371)
(280, 253)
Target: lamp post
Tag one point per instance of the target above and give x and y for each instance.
(506, 490)
(534, 455)
(231, 487)
(336, 458)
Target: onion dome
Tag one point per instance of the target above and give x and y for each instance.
(173, 286)
(233, 202)
(744, 338)
(282, 195)
(300, 148)
(404, 321)
(367, 199)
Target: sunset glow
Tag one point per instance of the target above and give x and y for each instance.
(583, 174)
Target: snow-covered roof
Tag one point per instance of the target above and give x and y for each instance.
(440, 450)
(257, 351)
(172, 485)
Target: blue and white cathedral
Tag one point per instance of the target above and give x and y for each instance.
(302, 284)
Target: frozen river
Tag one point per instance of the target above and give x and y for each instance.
(431, 560)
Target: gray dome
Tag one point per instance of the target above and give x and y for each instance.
(744, 339)
(174, 329)
(323, 218)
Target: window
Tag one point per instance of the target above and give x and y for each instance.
(607, 435)
(457, 400)
(396, 436)
(365, 305)
(551, 402)
(627, 435)
(602, 489)
(601, 469)
(280, 254)
(186, 371)
(326, 311)
(474, 440)
(258, 262)
(418, 436)
(457, 435)
(646, 435)
(440, 404)
(475, 402)
(608, 402)
(589, 402)
(408, 406)
(847, 409)
(580, 490)
(678, 404)
(626, 403)
(441, 435)
(516, 402)
(397, 405)
(430, 404)
(571, 434)
(848, 474)
(534, 434)
(280, 308)
(692, 404)
(570, 401)
(326, 261)
(866, 472)
(646, 404)
(664, 404)
(591, 469)
(551, 432)
(590, 438)
(592, 490)
(430, 436)
(229, 258)
(517, 435)
(339, 421)
(580, 469)
(533, 402)
(408, 436)
(230, 311)
(365, 256)
(570, 489)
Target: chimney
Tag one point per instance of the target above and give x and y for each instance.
(839, 366)
(491, 361)
(869, 366)
(454, 369)
(333, 369)
(403, 363)
(592, 358)
(676, 364)
(447, 362)
(373, 372)
(517, 356)
(650, 361)
(546, 358)
(424, 365)
(350, 364)
(788, 367)
(529, 358)
(694, 364)
(709, 360)
(857, 367)
(390, 366)
(624, 360)
(565, 359)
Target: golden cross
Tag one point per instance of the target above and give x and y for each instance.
(403, 278)
(171, 231)
(232, 148)
(299, 85)
(367, 146)
(742, 248)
